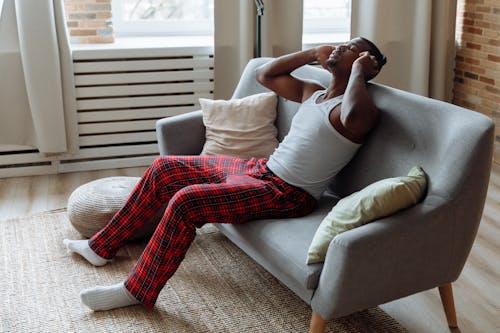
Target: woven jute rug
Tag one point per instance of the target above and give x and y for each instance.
(216, 289)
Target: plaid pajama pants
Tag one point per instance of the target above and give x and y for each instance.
(198, 190)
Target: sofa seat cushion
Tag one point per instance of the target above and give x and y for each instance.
(280, 245)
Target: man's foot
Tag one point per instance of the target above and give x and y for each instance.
(107, 298)
(82, 248)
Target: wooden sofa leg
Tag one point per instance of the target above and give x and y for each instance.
(446, 293)
(318, 324)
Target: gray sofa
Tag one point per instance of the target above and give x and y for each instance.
(423, 247)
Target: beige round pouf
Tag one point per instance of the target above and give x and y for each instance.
(92, 205)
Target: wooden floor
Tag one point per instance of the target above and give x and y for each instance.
(477, 291)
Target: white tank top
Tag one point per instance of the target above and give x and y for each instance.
(312, 152)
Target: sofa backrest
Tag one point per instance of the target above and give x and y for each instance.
(413, 130)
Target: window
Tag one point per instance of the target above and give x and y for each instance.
(326, 21)
(163, 17)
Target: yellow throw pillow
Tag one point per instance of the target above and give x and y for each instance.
(241, 127)
(377, 200)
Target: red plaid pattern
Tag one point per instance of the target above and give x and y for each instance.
(199, 190)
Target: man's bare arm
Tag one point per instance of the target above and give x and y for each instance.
(275, 74)
(358, 113)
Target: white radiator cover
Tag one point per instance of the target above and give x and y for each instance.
(120, 94)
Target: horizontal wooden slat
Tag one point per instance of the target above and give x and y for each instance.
(108, 79)
(107, 164)
(141, 65)
(134, 113)
(130, 102)
(121, 126)
(15, 148)
(105, 139)
(144, 89)
(111, 52)
(83, 153)
(23, 158)
(28, 171)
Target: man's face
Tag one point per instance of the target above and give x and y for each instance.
(344, 55)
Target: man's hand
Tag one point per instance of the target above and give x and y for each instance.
(368, 64)
(323, 53)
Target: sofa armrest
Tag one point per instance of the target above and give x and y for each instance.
(181, 135)
(387, 259)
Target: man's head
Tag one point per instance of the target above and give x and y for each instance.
(342, 58)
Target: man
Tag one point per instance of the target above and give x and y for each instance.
(325, 134)
(331, 123)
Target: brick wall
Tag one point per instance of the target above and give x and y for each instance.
(477, 67)
(89, 21)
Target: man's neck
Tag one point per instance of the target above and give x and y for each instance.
(336, 88)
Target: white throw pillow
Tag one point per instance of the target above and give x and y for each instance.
(241, 127)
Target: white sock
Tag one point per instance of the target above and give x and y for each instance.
(82, 248)
(107, 298)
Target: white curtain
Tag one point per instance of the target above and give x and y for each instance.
(418, 37)
(235, 36)
(32, 106)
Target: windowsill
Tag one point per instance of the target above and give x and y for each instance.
(153, 45)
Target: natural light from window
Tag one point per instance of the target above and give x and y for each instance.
(163, 17)
(326, 21)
